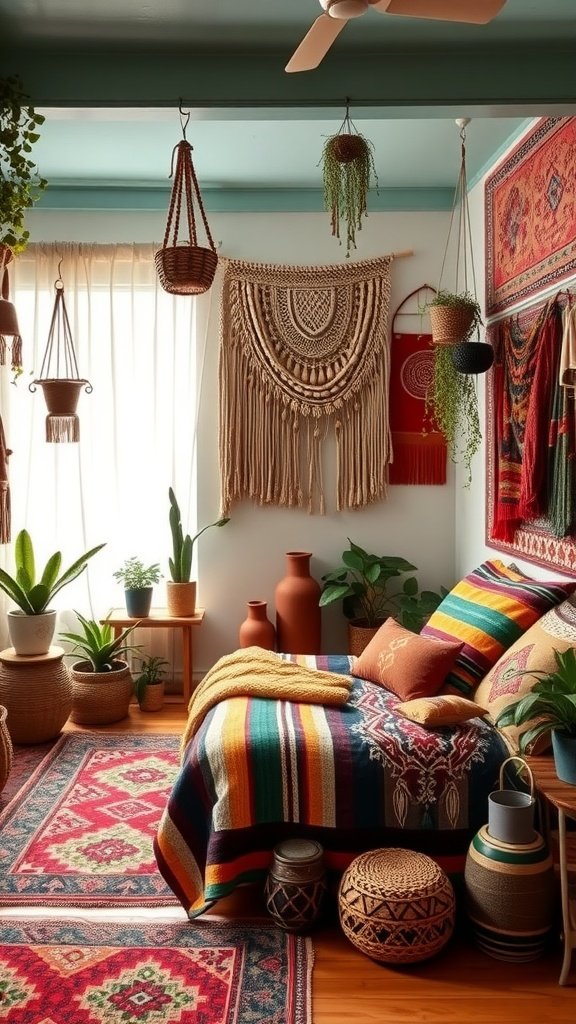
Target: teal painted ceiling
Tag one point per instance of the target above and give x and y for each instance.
(110, 77)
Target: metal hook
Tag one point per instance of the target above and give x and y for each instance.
(184, 118)
(59, 283)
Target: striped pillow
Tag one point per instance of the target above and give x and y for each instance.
(488, 610)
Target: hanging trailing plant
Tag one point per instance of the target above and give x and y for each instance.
(347, 167)
(452, 403)
(20, 182)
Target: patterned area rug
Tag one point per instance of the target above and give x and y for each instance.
(55, 972)
(80, 831)
(26, 760)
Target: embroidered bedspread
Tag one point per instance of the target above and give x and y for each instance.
(355, 778)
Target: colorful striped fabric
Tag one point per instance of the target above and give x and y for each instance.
(354, 778)
(488, 611)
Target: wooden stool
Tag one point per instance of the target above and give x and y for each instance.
(36, 691)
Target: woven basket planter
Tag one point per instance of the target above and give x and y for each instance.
(396, 906)
(181, 599)
(359, 637)
(186, 269)
(37, 694)
(100, 698)
(153, 698)
(450, 324)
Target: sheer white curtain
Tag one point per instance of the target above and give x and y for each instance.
(143, 352)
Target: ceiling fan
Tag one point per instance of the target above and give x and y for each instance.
(328, 26)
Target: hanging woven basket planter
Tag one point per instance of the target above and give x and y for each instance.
(61, 393)
(185, 268)
(347, 168)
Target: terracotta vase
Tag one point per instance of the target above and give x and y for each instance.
(257, 630)
(298, 614)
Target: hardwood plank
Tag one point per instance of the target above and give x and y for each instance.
(460, 986)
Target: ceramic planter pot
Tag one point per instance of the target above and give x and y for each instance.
(138, 601)
(31, 634)
(564, 748)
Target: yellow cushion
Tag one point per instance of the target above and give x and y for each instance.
(446, 709)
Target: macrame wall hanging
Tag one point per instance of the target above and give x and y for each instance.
(59, 377)
(10, 339)
(185, 268)
(304, 356)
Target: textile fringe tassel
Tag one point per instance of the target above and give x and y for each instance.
(15, 350)
(62, 429)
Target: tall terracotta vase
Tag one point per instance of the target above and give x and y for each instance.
(257, 630)
(298, 615)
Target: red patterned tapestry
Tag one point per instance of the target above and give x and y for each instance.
(80, 831)
(530, 441)
(419, 452)
(531, 216)
(81, 972)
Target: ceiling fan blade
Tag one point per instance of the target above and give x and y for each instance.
(315, 44)
(475, 12)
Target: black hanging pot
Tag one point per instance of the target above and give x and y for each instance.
(472, 356)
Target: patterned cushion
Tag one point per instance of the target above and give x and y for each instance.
(447, 709)
(405, 663)
(488, 611)
(534, 650)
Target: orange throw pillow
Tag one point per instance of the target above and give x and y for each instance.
(406, 663)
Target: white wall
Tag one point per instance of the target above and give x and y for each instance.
(246, 559)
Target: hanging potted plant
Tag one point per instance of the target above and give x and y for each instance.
(452, 403)
(453, 317)
(347, 167)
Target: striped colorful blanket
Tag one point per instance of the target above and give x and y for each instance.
(355, 777)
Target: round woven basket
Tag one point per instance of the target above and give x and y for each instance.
(100, 698)
(186, 269)
(450, 324)
(153, 698)
(181, 599)
(396, 906)
(37, 694)
(346, 147)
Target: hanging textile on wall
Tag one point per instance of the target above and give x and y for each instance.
(531, 440)
(304, 356)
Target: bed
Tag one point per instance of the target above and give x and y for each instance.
(355, 778)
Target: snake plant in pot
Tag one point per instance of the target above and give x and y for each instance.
(550, 707)
(31, 627)
(181, 590)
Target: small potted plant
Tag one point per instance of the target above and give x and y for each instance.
(32, 626)
(181, 590)
(138, 581)
(347, 167)
(361, 583)
(101, 682)
(149, 684)
(549, 707)
(454, 316)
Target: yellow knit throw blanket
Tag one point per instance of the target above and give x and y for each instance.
(254, 672)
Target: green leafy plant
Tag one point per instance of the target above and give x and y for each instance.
(550, 705)
(361, 583)
(33, 597)
(452, 402)
(347, 167)
(97, 642)
(183, 546)
(152, 671)
(20, 183)
(136, 576)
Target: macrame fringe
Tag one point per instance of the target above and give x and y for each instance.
(5, 517)
(62, 429)
(15, 348)
(418, 459)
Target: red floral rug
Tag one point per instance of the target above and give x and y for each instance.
(79, 832)
(152, 972)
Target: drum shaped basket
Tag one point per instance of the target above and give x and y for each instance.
(396, 906)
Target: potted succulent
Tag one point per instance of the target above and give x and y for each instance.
(20, 183)
(138, 581)
(181, 590)
(31, 627)
(549, 707)
(101, 681)
(149, 684)
(361, 583)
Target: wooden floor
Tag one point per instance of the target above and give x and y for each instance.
(460, 986)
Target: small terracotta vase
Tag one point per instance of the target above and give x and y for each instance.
(6, 750)
(257, 630)
(298, 614)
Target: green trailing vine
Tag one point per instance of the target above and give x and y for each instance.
(20, 182)
(453, 403)
(348, 167)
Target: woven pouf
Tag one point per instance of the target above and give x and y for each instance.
(396, 906)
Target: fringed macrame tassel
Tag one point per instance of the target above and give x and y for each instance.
(16, 351)
(3, 349)
(62, 429)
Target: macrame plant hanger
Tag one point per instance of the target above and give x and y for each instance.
(59, 377)
(9, 323)
(185, 268)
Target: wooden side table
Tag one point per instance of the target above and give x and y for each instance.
(561, 796)
(160, 619)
